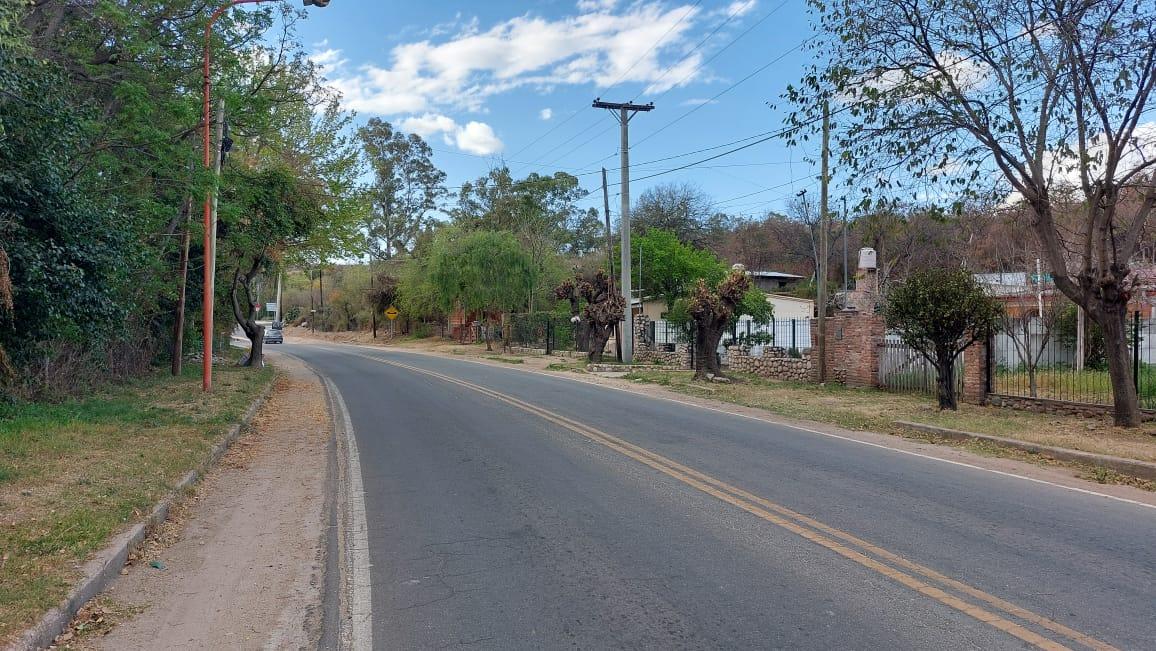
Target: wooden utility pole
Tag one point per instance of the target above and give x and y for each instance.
(182, 280)
(824, 228)
(625, 111)
(610, 261)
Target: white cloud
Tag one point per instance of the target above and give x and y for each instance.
(596, 5)
(477, 138)
(474, 138)
(698, 101)
(546, 114)
(601, 45)
(428, 124)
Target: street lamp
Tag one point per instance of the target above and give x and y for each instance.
(210, 241)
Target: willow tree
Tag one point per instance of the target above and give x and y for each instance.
(485, 272)
(1040, 102)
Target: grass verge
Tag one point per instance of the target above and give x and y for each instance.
(875, 410)
(506, 360)
(76, 473)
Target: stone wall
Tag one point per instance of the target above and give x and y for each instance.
(1045, 406)
(644, 352)
(778, 367)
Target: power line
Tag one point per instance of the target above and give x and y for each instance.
(725, 90)
(734, 12)
(622, 76)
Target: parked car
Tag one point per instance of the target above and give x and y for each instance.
(274, 336)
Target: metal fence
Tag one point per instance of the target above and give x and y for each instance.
(1039, 359)
(548, 331)
(902, 368)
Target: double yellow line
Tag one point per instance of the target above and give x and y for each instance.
(924, 580)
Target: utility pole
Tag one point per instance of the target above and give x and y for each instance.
(824, 223)
(277, 313)
(179, 325)
(626, 111)
(846, 286)
(210, 271)
(610, 261)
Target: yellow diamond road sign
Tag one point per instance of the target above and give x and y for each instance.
(391, 313)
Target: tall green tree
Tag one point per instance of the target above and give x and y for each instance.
(671, 268)
(406, 187)
(1044, 100)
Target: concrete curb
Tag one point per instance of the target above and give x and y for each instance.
(1130, 467)
(105, 565)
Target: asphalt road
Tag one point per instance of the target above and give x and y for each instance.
(514, 510)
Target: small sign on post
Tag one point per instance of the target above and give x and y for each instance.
(270, 307)
(391, 313)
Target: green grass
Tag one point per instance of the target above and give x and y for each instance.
(75, 473)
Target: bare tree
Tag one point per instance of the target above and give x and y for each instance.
(1041, 98)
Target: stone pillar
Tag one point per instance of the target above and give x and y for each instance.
(975, 374)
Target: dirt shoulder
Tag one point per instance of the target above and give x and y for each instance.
(74, 475)
(239, 566)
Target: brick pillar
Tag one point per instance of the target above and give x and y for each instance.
(853, 340)
(975, 374)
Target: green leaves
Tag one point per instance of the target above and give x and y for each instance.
(940, 312)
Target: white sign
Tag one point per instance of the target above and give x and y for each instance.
(270, 307)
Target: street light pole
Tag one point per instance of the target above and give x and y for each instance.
(210, 236)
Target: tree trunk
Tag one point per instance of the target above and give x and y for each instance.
(485, 323)
(945, 382)
(256, 336)
(1113, 319)
(599, 335)
(1033, 387)
(706, 338)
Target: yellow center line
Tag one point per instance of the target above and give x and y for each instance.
(798, 524)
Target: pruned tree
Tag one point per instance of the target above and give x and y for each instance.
(1043, 100)
(406, 187)
(940, 313)
(712, 309)
(593, 300)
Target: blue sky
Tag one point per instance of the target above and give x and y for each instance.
(487, 82)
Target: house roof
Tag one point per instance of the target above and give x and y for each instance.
(774, 274)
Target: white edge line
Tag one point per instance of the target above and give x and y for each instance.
(767, 421)
(357, 540)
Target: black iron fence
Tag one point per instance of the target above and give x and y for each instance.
(1051, 359)
(548, 331)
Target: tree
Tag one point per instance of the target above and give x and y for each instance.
(485, 272)
(671, 268)
(602, 311)
(680, 208)
(406, 187)
(712, 309)
(1043, 98)
(940, 313)
(263, 212)
(539, 210)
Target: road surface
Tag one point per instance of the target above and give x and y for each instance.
(505, 509)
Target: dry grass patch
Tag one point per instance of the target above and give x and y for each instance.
(875, 410)
(74, 474)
